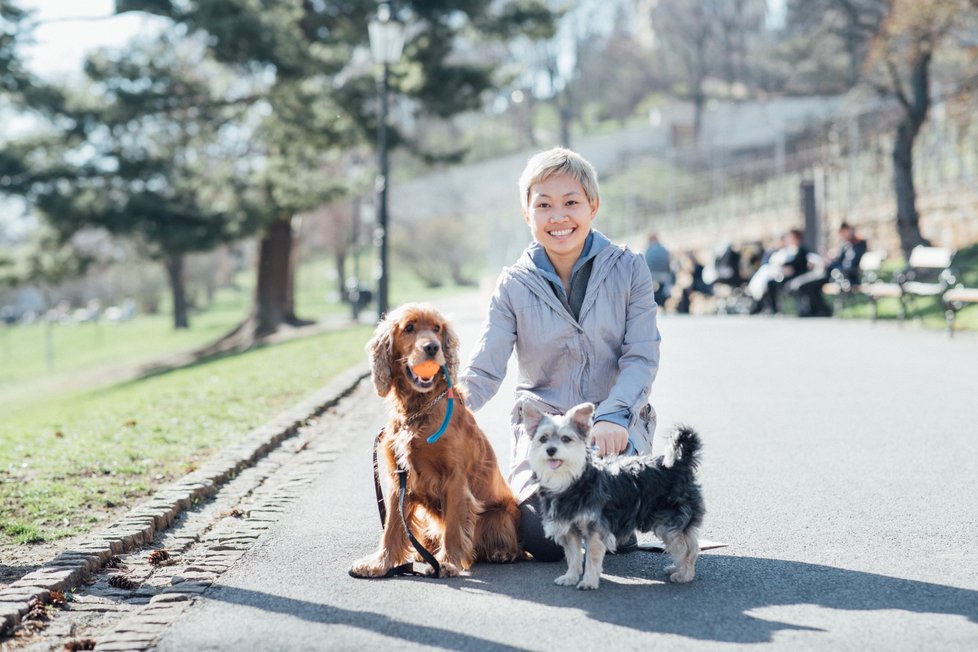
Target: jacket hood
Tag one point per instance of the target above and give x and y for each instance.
(604, 252)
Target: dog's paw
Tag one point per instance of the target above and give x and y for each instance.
(588, 584)
(503, 556)
(448, 569)
(682, 576)
(671, 568)
(368, 567)
(567, 579)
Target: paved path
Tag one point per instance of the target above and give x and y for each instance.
(841, 465)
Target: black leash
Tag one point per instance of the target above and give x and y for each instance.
(408, 568)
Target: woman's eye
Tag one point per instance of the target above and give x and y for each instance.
(409, 328)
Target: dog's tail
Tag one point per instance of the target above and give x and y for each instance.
(684, 449)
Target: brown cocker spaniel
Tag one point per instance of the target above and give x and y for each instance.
(457, 502)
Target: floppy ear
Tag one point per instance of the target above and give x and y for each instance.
(531, 416)
(580, 416)
(449, 346)
(381, 350)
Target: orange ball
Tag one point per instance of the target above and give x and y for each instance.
(426, 369)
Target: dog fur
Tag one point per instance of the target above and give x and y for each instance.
(457, 502)
(601, 501)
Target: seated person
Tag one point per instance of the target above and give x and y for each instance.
(807, 288)
(783, 265)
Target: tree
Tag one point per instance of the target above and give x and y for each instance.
(145, 153)
(309, 52)
(902, 61)
(687, 32)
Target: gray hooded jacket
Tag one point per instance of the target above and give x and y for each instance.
(608, 356)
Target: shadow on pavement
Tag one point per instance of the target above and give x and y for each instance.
(359, 618)
(717, 605)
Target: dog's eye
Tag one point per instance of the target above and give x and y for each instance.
(409, 328)
(543, 439)
(565, 439)
(437, 328)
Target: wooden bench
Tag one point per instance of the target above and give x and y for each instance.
(927, 274)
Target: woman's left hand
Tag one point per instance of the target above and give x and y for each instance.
(609, 438)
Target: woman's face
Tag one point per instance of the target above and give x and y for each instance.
(559, 216)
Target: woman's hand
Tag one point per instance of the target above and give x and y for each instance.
(609, 438)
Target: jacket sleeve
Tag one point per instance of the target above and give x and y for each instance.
(486, 367)
(639, 361)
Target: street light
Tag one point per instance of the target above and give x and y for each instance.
(386, 43)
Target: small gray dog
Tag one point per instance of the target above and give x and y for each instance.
(601, 501)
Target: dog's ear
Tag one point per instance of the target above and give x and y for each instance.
(580, 416)
(531, 416)
(449, 344)
(381, 351)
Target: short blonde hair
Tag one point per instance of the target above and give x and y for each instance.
(558, 160)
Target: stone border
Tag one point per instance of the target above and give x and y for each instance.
(140, 525)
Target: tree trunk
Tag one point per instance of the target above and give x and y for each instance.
(174, 272)
(272, 286)
(274, 300)
(915, 113)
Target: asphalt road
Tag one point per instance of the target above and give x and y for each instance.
(841, 465)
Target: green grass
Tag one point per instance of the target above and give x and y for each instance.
(66, 462)
(71, 458)
(76, 347)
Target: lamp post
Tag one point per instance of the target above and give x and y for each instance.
(386, 43)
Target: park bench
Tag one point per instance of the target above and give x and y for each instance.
(954, 299)
(927, 274)
(842, 290)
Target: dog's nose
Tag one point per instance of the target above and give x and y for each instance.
(431, 348)
(552, 451)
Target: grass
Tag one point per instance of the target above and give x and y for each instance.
(71, 458)
(67, 462)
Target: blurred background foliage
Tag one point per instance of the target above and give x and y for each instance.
(237, 138)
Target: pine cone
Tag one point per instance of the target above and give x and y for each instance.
(113, 562)
(80, 644)
(123, 582)
(36, 610)
(58, 599)
(157, 557)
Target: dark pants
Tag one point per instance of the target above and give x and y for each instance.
(807, 289)
(531, 535)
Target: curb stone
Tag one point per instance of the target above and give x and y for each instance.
(140, 525)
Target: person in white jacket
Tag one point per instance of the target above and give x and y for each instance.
(580, 313)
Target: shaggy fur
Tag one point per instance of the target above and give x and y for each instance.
(457, 503)
(602, 501)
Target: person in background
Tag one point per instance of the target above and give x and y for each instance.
(660, 266)
(788, 262)
(843, 266)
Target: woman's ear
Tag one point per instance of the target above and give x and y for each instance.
(381, 351)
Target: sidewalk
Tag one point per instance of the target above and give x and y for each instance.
(834, 451)
(839, 463)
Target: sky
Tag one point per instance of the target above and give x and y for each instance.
(69, 30)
